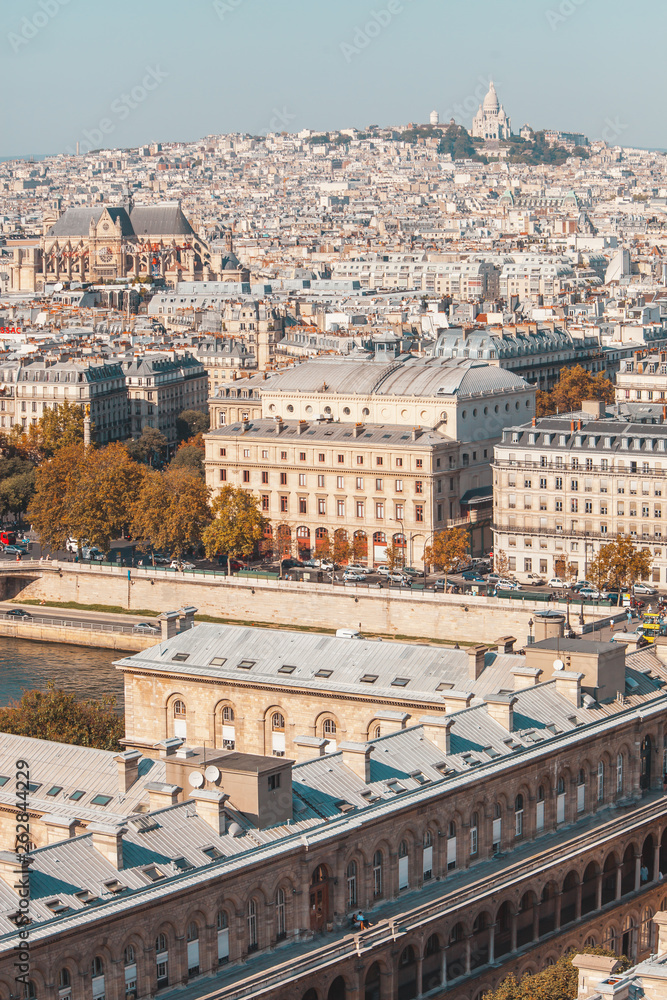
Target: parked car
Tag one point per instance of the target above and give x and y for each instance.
(12, 550)
(492, 578)
(353, 568)
(472, 574)
(235, 565)
(411, 571)
(645, 589)
(399, 578)
(535, 580)
(505, 584)
(353, 576)
(580, 584)
(439, 584)
(145, 628)
(589, 592)
(557, 583)
(177, 564)
(92, 553)
(382, 570)
(19, 613)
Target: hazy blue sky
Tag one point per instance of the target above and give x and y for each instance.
(258, 65)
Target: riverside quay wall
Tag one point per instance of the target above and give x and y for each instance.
(415, 614)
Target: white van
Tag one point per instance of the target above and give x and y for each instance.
(348, 633)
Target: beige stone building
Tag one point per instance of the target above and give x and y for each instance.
(642, 378)
(386, 452)
(159, 388)
(563, 486)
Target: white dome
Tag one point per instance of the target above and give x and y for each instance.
(491, 102)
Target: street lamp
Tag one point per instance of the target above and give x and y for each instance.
(530, 631)
(404, 540)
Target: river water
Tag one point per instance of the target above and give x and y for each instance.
(82, 671)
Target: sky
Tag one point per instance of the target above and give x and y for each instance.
(129, 72)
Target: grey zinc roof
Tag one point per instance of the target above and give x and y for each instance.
(75, 221)
(406, 376)
(388, 435)
(160, 220)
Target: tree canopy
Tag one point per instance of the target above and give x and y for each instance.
(84, 493)
(574, 385)
(555, 982)
(191, 422)
(60, 426)
(149, 448)
(171, 509)
(621, 563)
(448, 549)
(55, 715)
(189, 456)
(238, 523)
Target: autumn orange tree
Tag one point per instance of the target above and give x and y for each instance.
(448, 549)
(171, 509)
(238, 523)
(55, 715)
(621, 563)
(555, 982)
(84, 493)
(574, 385)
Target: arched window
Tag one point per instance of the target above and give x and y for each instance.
(280, 914)
(451, 846)
(474, 834)
(329, 727)
(130, 972)
(518, 816)
(278, 734)
(619, 774)
(377, 732)
(351, 884)
(403, 865)
(601, 781)
(162, 961)
(180, 711)
(97, 978)
(329, 730)
(497, 827)
(427, 857)
(64, 980)
(228, 728)
(377, 874)
(252, 925)
(222, 924)
(228, 714)
(30, 990)
(581, 791)
(539, 810)
(590, 942)
(193, 948)
(560, 800)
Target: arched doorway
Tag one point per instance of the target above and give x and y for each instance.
(456, 952)
(379, 547)
(504, 929)
(609, 879)
(548, 909)
(568, 906)
(479, 942)
(629, 939)
(645, 776)
(589, 888)
(526, 929)
(360, 547)
(373, 983)
(407, 974)
(648, 872)
(432, 964)
(322, 543)
(319, 899)
(337, 989)
(303, 542)
(284, 540)
(310, 994)
(628, 870)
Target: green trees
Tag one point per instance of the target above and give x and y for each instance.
(149, 448)
(189, 423)
(60, 427)
(55, 715)
(555, 982)
(237, 525)
(171, 509)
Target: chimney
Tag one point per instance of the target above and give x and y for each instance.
(578, 425)
(506, 644)
(128, 769)
(501, 708)
(108, 841)
(357, 756)
(279, 424)
(358, 429)
(571, 425)
(308, 747)
(161, 795)
(456, 701)
(437, 729)
(476, 656)
(210, 808)
(593, 407)
(245, 424)
(568, 685)
(59, 828)
(534, 422)
(302, 426)
(416, 433)
(169, 746)
(188, 618)
(525, 677)
(169, 624)
(11, 866)
(593, 970)
(392, 722)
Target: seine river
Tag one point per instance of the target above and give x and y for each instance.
(85, 672)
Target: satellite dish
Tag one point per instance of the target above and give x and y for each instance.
(58, 287)
(212, 773)
(559, 665)
(196, 779)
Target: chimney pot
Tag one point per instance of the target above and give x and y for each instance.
(357, 756)
(108, 841)
(506, 644)
(501, 708)
(437, 729)
(476, 655)
(568, 685)
(128, 769)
